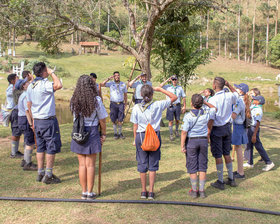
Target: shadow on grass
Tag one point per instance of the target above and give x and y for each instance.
(135, 183)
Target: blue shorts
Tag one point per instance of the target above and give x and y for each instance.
(197, 155)
(221, 140)
(116, 112)
(47, 136)
(173, 111)
(239, 135)
(16, 132)
(27, 131)
(147, 160)
(138, 101)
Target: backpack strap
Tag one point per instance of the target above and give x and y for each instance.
(145, 107)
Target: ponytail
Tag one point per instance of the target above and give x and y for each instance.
(247, 106)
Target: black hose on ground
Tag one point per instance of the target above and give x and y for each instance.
(143, 202)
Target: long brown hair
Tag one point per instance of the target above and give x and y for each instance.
(84, 100)
(247, 103)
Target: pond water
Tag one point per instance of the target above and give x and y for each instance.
(64, 114)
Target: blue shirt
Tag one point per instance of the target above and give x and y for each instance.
(177, 90)
(151, 115)
(137, 86)
(41, 94)
(98, 114)
(117, 91)
(9, 97)
(200, 128)
(223, 101)
(256, 113)
(239, 109)
(22, 104)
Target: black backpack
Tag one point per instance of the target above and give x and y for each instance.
(79, 134)
(247, 122)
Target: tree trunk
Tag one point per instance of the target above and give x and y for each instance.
(276, 19)
(267, 34)
(225, 32)
(253, 35)
(219, 42)
(144, 62)
(99, 28)
(207, 30)
(200, 35)
(246, 32)
(14, 42)
(238, 31)
(72, 38)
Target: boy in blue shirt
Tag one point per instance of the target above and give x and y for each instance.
(118, 98)
(41, 104)
(195, 131)
(174, 110)
(254, 134)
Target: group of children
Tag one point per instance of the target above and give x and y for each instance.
(209, 120)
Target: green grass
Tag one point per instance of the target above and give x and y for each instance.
(121, 181)
(120, 177)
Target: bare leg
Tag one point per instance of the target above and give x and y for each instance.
(143, 181)
(240, 169)
(82, 172)
(40, 159)
(233, 152)
(90, 166)
(152, 177)
(15, 138)
(50, 160)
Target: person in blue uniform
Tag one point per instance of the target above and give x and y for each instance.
(118, 102)
(148, 111)
(86, 102)
(194, 143)
(175, 110)
(11, 106)
(220, 126)
(254, 134)
(137, 85)
(25, 124)
(94, 79)
(28, 75)
(241, 111)
(41, 104)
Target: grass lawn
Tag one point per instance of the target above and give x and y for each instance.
(120, 177)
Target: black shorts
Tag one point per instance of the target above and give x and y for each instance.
(16, 132)
(173, 111)
(147, 160)
(221, 140)
(197, 155)
(116, 112)
(47, 136)
(27, 131)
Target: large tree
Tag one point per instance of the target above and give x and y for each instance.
(55, 19)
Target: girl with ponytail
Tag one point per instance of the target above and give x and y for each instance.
(148, 112)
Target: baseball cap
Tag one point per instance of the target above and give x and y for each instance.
(260, 99)
(142, 74)
(174, 77)
(20, 83)
(242, 86)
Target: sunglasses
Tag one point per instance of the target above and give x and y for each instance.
(174, 79)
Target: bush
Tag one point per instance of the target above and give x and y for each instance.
(274, 51)
(113, 34)
(277, 115)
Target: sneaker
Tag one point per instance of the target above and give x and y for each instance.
(218, 184)
(30, 166)
(84, 196)
(202, 194)
(51, 180)
(248, 165)
(231, 182)
(144, 195)
(151, 196)
(22, 163)
(238, 176)
(17, 155)
(116, 136)
(268, 166)
(193, 194)
(171, 137)
(91, 196)
(177, 134)
(40, 177)
(121, 136)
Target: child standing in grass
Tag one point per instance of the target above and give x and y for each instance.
(148, 111)
(254, 134)
(195, 131)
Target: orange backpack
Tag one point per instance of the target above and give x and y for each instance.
(151, 141)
